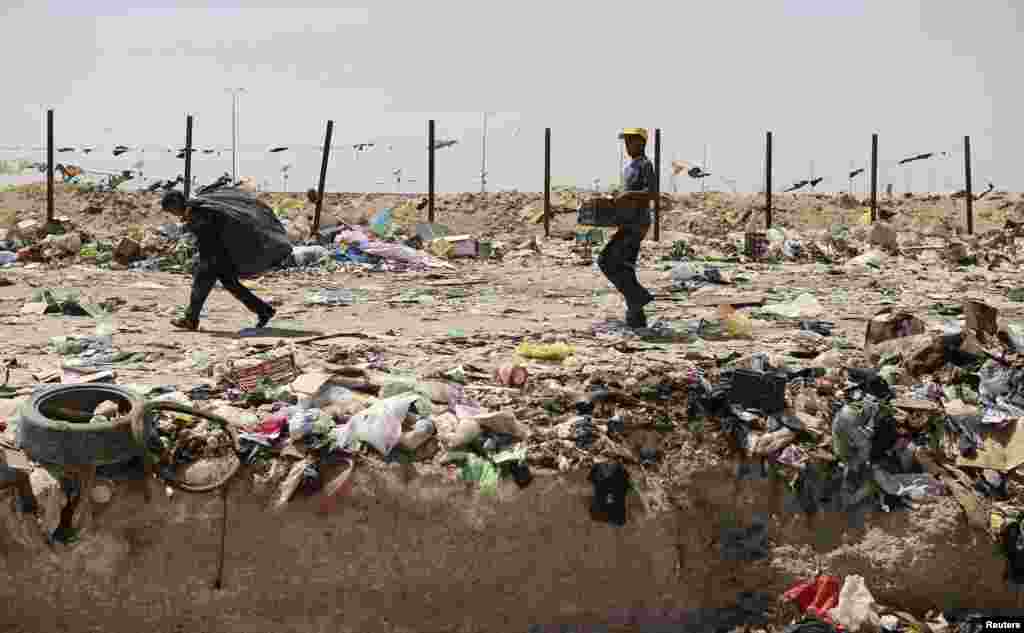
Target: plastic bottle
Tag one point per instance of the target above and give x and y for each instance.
(685, 271)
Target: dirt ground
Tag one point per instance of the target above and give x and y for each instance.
(545, 294)
(478, 312)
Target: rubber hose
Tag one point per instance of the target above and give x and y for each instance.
(138, 432)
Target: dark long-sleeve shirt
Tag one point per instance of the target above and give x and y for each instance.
(208, 227)
(639, 176)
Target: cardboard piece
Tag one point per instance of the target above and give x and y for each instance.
(1001, 449)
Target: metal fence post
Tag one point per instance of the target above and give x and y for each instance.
(323, 177)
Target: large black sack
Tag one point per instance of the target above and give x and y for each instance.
(254, 238)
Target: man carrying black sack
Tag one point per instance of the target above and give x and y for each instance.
(619, 258)
(237, 235)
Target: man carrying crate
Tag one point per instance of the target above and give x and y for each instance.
(619, 258)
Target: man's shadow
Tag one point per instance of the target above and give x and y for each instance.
(267, 332)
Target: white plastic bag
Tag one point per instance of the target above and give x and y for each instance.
(308, 255)
(804, 306)
(381, 424)
(856, 608)
(685, 271)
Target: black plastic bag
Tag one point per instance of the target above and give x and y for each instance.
(254, 238)
(1013, 549)
(870, 382)
(810, 625)
(611, 482)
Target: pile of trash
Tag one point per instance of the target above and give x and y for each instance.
(393, 240)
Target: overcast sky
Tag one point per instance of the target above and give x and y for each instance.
(821, 74)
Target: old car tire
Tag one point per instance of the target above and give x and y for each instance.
(77, 440)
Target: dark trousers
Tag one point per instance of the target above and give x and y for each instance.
(618, 263)
(206, 275)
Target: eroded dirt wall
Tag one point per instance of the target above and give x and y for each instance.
(430, 555)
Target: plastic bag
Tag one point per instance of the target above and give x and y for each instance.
(556, 351)
(736, 324)
(308, 255)
(330, 395)
(312, 426)
(1015, 331)
(850, 441)
(396, 386)
(380, 425)
(871, 260)
(805, 305)
(685, 271)
(380, 223)
(856, 606)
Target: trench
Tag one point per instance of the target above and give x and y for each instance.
(408, 552)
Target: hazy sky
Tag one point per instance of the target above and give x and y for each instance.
(821, 74)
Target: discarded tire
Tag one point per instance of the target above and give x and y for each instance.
(55, 426)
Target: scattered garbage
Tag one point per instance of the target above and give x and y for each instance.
(928, 404)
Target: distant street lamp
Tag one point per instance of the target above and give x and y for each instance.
(234, 92)
(483, 157)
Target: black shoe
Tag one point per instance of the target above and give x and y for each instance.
(265, 318)
(186, 323)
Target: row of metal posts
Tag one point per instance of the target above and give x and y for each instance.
(547, 175)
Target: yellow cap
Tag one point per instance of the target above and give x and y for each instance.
(634, 131)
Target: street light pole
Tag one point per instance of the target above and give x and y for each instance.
(234, 92)
(483, 158)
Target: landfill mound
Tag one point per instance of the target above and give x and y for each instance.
(818, 422)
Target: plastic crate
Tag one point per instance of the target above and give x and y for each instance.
(758, 390)
(605, 212)
(279, 371)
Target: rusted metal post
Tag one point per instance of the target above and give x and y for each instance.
(768, 181)
(188, 155)
(874, 177)
(323, 177)
(430, 171)
(49, 167)
(547, 182)
(967, 187)
(657, 184)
